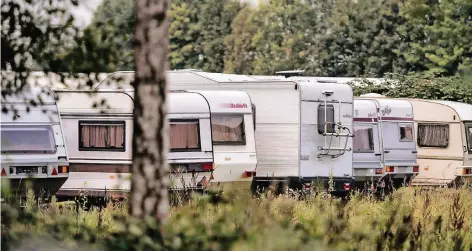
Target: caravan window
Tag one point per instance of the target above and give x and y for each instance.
(433, 135)
(329, 118)
(254, 115)
(363, 138)
(101, 136)
(228, 130)
(184, 135)
(406, 132)
(28, 139)
(469, 136)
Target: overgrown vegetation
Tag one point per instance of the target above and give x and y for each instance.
(324, 37)
(408, 219)
(457, 88)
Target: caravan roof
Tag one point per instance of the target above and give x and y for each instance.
(464, 110)
(365, 110)
(393, 109)
(186, 102)
(29, 93)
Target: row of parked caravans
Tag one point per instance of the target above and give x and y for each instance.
(228, 129)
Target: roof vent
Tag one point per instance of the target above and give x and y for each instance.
(373, 95)
(290, 73)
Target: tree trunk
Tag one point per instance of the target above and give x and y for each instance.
(149, 194)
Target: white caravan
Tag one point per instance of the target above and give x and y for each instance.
(33, 146)
(105, 169)
(303, 130)
(443, 141)
(100, 141)
(389, 124)
(234, 146)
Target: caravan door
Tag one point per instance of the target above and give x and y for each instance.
(399, 144)
(367, 159)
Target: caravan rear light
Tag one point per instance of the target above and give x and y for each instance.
(347, 186)
(63, 169)
(54, 172)
(416, 169)
(465, 171)
(389, 169)
(248, 174)
(207, 166)
(378, 171)
(4, 173)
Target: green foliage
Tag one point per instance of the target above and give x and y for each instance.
(457, 88)
(438, 36)
(106, 45)
(409, 219)
(277, 35)
(325, 38)
(362, 39)
(197, 31)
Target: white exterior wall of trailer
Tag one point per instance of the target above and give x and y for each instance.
(398, 138)
(288, 143)
(107, 169)
(33, 144)
(465, 115)
(440, 145)
(367, 143)
(234, 149)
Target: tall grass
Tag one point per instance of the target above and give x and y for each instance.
(408, 219)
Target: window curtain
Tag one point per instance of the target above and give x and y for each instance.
(102, 135)
(433, 135)
(362, 139)
(227, 128)
(183, 136)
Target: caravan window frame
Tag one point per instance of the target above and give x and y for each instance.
(230, 143)
(432, 124)
(199, 147)
(412, 126)
(101, 149)
(22, 128)
(320, 119)
(253, 107)
(371, 143)
(468, 129)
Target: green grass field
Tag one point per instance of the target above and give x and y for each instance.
(408, 219)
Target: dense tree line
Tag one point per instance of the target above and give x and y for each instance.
(324, 37)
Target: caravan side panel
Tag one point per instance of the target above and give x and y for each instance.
(277, 123)
(277, 131)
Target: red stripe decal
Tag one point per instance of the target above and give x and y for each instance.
(397, 118)
(365, 119)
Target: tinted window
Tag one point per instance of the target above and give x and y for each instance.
(28, 139)
(329, 119)
(101, 136)
(228, 129)
(184, 135)
(406, 132)
(469, 136)
(363, 138)
(433, 135)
